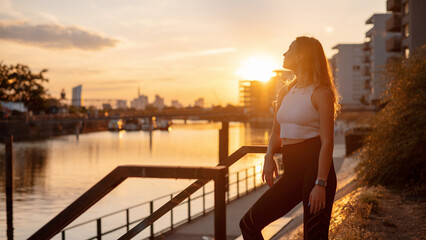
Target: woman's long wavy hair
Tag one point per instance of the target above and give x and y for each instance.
(313, 69)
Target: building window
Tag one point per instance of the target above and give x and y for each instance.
(406, 30)
(406, 52)
(406, 8)
(355, 68)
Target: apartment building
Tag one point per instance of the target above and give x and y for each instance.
(408, 20)
(377, 56)
(347, 66)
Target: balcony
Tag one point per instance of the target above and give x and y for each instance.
(393, 5)
(367, 84)
(393, 44)
(369, 33)
(366, 71)
(365, 59)
(366, 46)
(393, 23)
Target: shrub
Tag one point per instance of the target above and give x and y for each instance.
(394, 152)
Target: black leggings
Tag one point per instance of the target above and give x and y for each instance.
(295, 185)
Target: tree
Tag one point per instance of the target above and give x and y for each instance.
(19, 84)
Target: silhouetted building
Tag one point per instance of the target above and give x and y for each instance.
(158, 103)
(257, 97)
(121, 104)
(347, 66)
(199, 103)
(77, 99)
(408, 19)
(139, 103)
(106, 107)
(176, 104)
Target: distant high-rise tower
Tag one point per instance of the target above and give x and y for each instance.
(63, 94)
(77, 99)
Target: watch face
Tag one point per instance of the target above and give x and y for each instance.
(320, 182)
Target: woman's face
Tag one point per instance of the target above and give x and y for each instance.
(290, 57)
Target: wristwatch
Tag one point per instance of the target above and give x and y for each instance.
(321, 182)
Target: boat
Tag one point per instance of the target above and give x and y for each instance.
(147, 124)
(163, 124)
(115, 125)
(133, 124)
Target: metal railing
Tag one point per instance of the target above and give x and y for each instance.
(121, 173)
(241, 183)
(118, 175)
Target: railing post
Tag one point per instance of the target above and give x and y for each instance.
(9, 185)
(127, 219)
(151, 210)
(204, 199)
(246, 182)
(224, 141)
(189, 208)
(227, 189)
(171, 214)
(254, 177)
(98, 229)
(63, 235)
(219, 206)
(238, 184)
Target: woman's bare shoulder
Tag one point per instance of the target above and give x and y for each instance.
(322, 94)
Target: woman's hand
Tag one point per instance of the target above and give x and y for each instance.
(269, 169)
(317, 199)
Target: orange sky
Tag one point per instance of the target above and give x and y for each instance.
(178, 49)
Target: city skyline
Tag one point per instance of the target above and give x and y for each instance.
(176, 50)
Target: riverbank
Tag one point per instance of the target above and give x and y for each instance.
(39, 130)
(375, 213)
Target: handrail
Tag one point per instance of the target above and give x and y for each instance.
(169, 196)
(119, 174)
(234, 157)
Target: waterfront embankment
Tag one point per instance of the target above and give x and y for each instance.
(39, 130)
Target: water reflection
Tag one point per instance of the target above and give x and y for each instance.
(29, 166)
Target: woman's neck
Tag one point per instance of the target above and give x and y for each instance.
(301, 79)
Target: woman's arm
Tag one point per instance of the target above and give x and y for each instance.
(269, 165)
(274, 140)
(323, 100)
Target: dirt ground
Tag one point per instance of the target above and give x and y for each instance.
(399, 217)
(394, 216)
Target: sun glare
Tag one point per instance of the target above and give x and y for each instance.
(256, 68)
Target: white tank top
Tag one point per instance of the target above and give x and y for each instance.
(297, 116)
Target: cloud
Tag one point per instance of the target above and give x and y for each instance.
(54, 36)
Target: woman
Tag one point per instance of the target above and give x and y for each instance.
(303, 124)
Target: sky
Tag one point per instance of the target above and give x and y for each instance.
(178, 49)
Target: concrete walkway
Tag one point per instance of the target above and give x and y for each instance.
(203, 227)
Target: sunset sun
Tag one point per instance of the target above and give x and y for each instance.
(256, 68)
